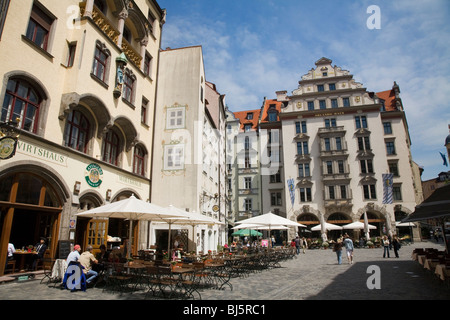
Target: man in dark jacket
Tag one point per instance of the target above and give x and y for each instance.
(40, 249)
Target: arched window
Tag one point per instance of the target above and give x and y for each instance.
(111, 148)
(21, 103)
(139, 160)
(76, 134)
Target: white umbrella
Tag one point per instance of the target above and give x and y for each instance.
(132, 209)
(186, 218)
(358, 225)
(259, 227)
(272, 221)
(328, 227)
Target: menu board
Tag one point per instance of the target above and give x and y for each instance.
(64, 248)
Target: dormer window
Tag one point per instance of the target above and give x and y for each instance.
(250, 116)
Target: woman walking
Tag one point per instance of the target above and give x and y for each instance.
(338, 249)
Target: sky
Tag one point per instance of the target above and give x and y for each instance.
(253, 48)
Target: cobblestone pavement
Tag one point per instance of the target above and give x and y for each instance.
(314, 275)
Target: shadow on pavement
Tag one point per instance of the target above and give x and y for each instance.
(388, 279)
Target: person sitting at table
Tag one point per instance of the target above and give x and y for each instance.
(40, 249)
(10, 255)
(86, 260)
(74, 255)
(102, 257)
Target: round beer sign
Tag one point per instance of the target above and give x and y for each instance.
(93, 175)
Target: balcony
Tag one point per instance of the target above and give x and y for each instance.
(331, 131)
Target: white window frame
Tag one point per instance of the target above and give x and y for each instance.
(177, 151)
(178, 120)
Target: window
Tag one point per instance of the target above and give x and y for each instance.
(21, 102)
(248, 205)
(329, 166)
(334, 103)
(331, 194)
(139, 161)
(76, 133)
(148, 61)
(387, 128)
(129, 80)
(175, 118)
(247, 164)
(393, 168)
(247, 127)
(303, 170)
(250, 116)
(174, 157)
(275, 178)
(320, 87)
(330, 123)
(343, 192)
(101, 61)
(72, 46)
(332, 86)
(338, 143)
(366, 166)
(363, 144)
(275, 199)
(369, 192)
(39, 27)
(361, 122)
(305, 195)
(4, 5)
(322, 104)
(144, 109)
(341, 168)
(247, 144)
(397, 193)
(300, 127)
(247, 183)
(346, 102)
(390, 147)
(310, 105)
(111, 145)
(302, 148)
(327, 144)
(272, 116)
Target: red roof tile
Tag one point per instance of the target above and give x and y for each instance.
(242, 116)
(389, 99)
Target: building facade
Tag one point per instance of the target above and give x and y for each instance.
(244, 178)
(80, 83)
(339, 141)
(189, 165)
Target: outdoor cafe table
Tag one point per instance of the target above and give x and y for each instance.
(23, 254)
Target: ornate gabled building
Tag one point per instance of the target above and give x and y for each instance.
(339, 141)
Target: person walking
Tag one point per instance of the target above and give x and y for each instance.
(304, 244)
(338, 249)
(396, 244)
(348, 243)
(386, 244)
(297, 245)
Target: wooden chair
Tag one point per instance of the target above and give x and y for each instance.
(11, 263)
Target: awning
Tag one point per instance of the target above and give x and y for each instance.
(434, 207)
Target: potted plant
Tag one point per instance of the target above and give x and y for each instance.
(370, 244)
(325, 245)
(30, 248)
